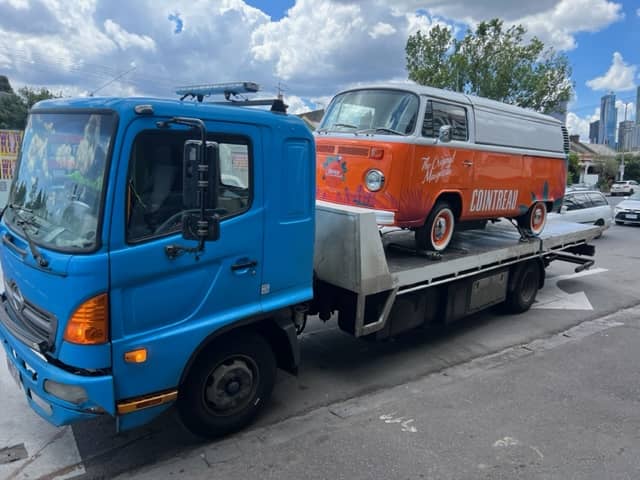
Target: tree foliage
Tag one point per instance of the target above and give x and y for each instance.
(493, 62)
(14, 107)
(573, 173)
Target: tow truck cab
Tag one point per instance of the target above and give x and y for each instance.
(111, 301)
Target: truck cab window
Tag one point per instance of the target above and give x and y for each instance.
(154, 185)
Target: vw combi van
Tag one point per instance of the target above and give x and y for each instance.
(432, 160)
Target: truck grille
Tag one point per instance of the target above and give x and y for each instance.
(31, 324)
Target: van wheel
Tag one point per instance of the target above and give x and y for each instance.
(524, 288)
(533, 222)
(228, 385)
(437, 231)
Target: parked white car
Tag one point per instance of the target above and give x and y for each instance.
(585, 207)
(626, 187)
(628, 210)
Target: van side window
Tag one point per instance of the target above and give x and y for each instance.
(154, 185)
(438, 114)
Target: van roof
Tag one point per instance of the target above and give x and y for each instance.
(478, 103)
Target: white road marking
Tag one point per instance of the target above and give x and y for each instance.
(405, 423)
(506, 442)
(554, 298)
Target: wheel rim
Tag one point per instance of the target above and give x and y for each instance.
(538, 218)
(442, 229)
(231, 385)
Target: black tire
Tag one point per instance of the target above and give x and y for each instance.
(524, 288)
(245, 366)
(430, 236)
(533, 222)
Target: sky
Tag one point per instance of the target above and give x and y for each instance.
(308, 49)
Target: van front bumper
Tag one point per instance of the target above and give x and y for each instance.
(94, 394)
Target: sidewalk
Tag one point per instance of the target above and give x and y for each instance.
(565, 407)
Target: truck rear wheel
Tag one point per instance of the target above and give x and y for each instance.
(228, 385)
(533, 222)
(524, 287)
(437, 231)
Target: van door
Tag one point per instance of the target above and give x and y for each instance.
(442, 167)
(169, 304)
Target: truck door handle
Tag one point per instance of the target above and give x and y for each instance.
(467, 163)
(245, 265)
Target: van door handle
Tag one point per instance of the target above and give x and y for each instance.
(467, 163)
(245, 265)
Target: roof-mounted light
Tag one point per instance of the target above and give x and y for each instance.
(226, 89)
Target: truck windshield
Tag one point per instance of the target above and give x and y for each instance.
(56, 195)
(372, 111)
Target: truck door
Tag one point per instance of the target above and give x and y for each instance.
(169, 305)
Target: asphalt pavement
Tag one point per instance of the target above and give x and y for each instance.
(564, 407)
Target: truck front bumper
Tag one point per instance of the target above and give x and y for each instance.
(42, 381)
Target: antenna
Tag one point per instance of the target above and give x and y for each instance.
(133, 67)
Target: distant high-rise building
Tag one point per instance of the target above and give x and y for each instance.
(608, 120)
(638, 106)
(560, 112)
(594, 127)
(626, 136)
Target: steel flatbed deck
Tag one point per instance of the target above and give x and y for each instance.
(353, 255)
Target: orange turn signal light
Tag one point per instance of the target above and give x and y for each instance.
(136, 356)
(89, 324)
(376, 153)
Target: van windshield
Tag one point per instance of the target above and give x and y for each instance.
(372, 111)
(56, 195)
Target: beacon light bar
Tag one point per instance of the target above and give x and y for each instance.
(227, 89)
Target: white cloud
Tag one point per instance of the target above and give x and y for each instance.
(619, 77)
(580, 125)
(125, 39)
(630, 110)
(559, 25)
(318, 48)
(381, 29)
(555, 22)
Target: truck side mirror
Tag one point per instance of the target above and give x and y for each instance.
(200, 178)
(444, 133)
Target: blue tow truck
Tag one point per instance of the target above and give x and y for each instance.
(159, 252)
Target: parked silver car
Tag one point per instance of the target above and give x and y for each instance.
(588, 206)
(628, 210)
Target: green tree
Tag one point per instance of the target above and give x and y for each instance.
(573, 171)
(493, 62)
(631, 167)
(14, 107)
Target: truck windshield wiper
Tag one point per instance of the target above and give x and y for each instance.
(22, 222)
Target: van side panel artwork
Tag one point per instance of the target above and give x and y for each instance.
(380, 148)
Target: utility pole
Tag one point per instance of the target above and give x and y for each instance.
(622, 147)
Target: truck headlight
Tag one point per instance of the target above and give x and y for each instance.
(374, 180)
(70, 393)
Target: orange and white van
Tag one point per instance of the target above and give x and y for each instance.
(432, 160)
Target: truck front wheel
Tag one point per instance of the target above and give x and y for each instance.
(228, 385)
